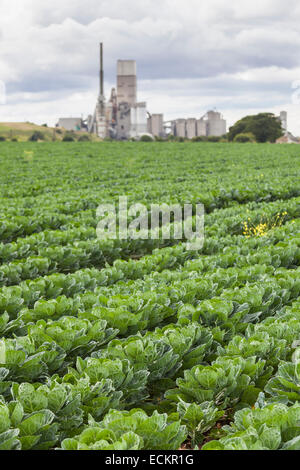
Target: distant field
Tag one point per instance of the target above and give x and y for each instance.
(23, 130)
(143, 344)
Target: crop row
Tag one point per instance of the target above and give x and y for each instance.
(145, 303)
(229, 221)
(91, 253)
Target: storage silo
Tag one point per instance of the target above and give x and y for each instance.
(201, 127)
(180, 128)
(191, 128)
(156, 125)
(216, 125)
(283, 119)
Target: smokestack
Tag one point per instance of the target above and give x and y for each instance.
(101, 69)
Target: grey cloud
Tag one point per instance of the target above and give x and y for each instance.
(55, 50)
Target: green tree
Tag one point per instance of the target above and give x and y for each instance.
(146, 138)
(179, 139)
(37, 135)
(68, 137)
(265, 127)
(244, 137)
(213, 138)
(84, 138)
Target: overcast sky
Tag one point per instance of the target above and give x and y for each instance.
(239, 56)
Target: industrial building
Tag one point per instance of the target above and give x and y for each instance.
(123, 121)
(191, 128)
(138, 119)
(126, 82)
(201, 128)
(155, 125)
(179, 128)
(211, 124)
(215, 124)
(283, 119)
(71, 123)
(122, 117)
(288, 137)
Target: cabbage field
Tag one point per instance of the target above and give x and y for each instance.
(142, 344)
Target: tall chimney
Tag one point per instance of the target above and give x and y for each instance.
(101, 69)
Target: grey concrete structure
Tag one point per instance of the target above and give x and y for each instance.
(138, 119)
(126, 82)
(191, 128)
(89, 122)
(71, 123)
(112, 114)
(288, 138)
(211, 124)
(97, 124)
(216, 125)
(100, 121)
(201, 127)
(170, 126)
(131, 116)
(180, 126)
(156, 125)
(283, 119)
(123, 121)
(122, 116)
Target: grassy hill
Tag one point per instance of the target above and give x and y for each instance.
(22, 131)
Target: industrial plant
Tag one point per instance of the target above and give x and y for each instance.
(288, 137)
(211, 124)
(122, 117)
